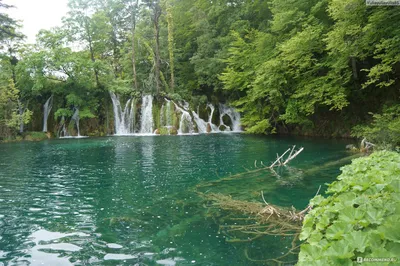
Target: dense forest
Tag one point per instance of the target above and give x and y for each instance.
(326, 68)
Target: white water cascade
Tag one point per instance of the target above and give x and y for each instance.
(46, 111)
(63, 132)
(125, 124)
(233, 115)
(168, 114)
(207, 127)
(186, 123)
(201, 124)
(76, 118)
(214, 128)
(146, 121)
(124, 119)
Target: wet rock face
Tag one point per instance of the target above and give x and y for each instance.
(168, 130)
(223, 128)
(209, 129)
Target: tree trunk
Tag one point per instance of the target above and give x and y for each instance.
(171, 46)
(96, 72)
(133, 47)
(21, 117)
(354, 66)
(157, 14)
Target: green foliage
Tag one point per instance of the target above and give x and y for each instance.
(63, 112)
(35, 136)
(359, 217)
(164, 131)
(8, 102)
(292, 66)
(384, 129)
(18, 118)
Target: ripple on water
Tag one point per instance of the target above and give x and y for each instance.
(112, 256)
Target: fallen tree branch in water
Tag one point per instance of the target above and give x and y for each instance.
(293, 153)
(244, 221)
(365, 145)
(277, 160)
(293, 156)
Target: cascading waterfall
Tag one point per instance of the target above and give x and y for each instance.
(168, 114)
(214, 128)
(186, 123)
(124, 119)
(76, 118)
(233, 115)
(146, 122)
(162, 116)
(46, 111)
(201, 124)
(63, 131)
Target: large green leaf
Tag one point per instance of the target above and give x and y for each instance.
(358, 240)
(337, 230)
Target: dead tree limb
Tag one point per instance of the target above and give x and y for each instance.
(293, 153)
(277, 160)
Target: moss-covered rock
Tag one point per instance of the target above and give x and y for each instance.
(208, 129)
(173, 131)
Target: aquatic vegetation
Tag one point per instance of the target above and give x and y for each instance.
(359, 218)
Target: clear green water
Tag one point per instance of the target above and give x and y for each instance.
(132, 200)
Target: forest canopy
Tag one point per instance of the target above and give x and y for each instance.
(327, 67)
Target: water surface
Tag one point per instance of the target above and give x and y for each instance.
(132, 200)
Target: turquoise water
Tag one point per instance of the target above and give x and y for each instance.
(133, 200)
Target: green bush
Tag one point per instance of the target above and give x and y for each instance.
(35, 136)
(360, 218)
(384, 129)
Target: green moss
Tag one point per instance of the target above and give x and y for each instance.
(156, 115)
(164, 131)
(35, 136)
(26, 136)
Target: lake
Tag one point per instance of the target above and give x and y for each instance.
(134, 200)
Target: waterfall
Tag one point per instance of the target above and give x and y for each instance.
(214, 128)
(232, 114)
(46, 111)
(168, 114)
(146, 122)
(76, 118)
(186, 123)
(123, 119)
(201, 124)
(64, 129)
(162, 116)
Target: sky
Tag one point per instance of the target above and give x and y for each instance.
(37, 14)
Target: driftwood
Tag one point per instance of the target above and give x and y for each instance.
(293, 153)
(280, 158)
(365, 145)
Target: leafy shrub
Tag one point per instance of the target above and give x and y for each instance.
(360, 218)
(35, 136)
(384, 129)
